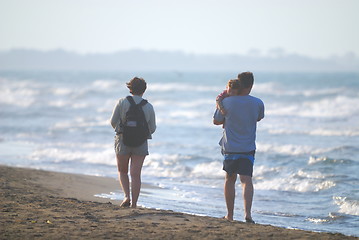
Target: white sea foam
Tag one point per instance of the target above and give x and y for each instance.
(294, 185)
(324, 159)
(171, 165)
(336, 132)
(282, 131)
(80, 122)
(176, 171)
(261, 171)
(290, 149)
(104, 84)
(277, 89)
(166, 165)
(312, 174)
(67, 103)
(314, 160)
(78, 105)
(196, 103)
(339, 107)
(297, 182)
(20, 94)
(62, 91)
(316, 132)
(347, 206)
(58, 103)
(111, 195)
(318, 220)
(165, 87)
(59, 155)
(71, 145)
(107, 106)
(208, 170)
(186, 114)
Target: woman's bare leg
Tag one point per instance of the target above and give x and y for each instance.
(122, 167)
(136, 167)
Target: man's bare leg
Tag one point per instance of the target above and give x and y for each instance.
(229, 194)
(247, 186)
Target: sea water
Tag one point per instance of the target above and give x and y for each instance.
(307, 159)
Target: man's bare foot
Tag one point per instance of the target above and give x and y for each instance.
(227, 218)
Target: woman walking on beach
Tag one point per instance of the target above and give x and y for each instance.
(128, 142)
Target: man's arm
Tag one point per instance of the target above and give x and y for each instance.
(261, 112)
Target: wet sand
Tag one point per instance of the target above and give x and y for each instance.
(38, 204)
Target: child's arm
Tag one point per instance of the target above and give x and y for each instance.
(221, 107)
(222, 95)
(219, 100)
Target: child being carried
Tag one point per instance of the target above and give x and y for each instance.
(227, 93)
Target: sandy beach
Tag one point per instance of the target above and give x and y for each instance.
(38, 204)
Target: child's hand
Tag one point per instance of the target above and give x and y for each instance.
(221, 108)
(223, 111)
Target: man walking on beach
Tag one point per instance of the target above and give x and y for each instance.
(238, 142)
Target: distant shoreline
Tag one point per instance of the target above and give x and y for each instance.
(42, 204)
(141, 60)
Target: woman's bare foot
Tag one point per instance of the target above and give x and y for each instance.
(249, 220)
(126, 203)
(227, 218)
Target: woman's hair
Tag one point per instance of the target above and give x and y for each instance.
(137, 86)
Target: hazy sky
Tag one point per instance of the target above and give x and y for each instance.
(318, 28)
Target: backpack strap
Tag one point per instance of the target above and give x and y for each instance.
(132, 102)
(143, 103)
(130, 99)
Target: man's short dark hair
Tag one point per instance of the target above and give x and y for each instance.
(246, 79)
(137, 86)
